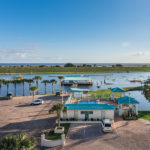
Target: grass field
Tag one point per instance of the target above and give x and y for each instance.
(106, 92)
(144, 115)
(137, 88)
(52, 69)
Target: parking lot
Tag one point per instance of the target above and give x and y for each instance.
(127, 135)
(17, 115)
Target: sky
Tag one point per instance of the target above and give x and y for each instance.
(77, 31)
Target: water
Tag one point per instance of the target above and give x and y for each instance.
(114, 80)
(88, 102)
(144, 103)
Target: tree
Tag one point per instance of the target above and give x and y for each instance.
(30, 81)
(15, 86)
(60, 78)
(7, 82)
(33, 89)
(69, 65)
(119, 65)
(53, 81)
(37, 78)
(1, 81)
(58, 108)
(45, 83)
(17, 142)
(23, 82)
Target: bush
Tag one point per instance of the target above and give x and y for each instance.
(126, 117)
(69, 65)
(17, 142)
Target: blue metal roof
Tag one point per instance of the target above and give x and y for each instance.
(89, 107)
(77, 90)
(126, 99)
(77, 78)
(117, 90)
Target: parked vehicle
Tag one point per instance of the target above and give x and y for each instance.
(9, 96)
(37, 102)
(57, 94)
(106, 125)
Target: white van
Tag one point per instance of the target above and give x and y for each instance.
(106, 125)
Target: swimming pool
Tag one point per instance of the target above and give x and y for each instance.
(88, 102)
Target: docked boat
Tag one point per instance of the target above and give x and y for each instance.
(77, 80)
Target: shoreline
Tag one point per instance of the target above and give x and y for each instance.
(72, 72)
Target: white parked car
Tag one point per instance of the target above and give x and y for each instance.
(37, 102)
(106, 125)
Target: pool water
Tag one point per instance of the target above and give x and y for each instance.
(88, 102)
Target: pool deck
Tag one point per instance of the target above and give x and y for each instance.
(102, 101)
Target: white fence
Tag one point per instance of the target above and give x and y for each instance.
(52, 143)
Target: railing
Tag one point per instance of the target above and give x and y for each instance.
(69, 100)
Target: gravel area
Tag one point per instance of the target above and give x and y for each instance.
(127, 135)
(17, 115)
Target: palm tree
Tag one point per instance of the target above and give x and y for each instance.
(60, 78)
(1, 81)
(58, 108)
(33, 89)
(30, 81)
(53, 81)
(7, 82)
(45, 83)
(17, 142)
(37, 78)
(15, 85)
(23, 82)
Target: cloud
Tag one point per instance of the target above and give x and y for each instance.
(21, 55)
(125, 44)
(140, 54)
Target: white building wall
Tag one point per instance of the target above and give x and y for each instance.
(70, 114)
(97, 114)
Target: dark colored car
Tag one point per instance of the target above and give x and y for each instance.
(9, 96)
(57, 94)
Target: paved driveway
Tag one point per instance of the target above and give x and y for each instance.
(127, 135)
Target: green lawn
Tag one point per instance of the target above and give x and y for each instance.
(137, 88)
(54, 69)
(56, 136)
(106, 93)
(144, 115)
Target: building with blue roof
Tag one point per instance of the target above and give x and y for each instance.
(125, 103)
(86, 109)
(116, 90)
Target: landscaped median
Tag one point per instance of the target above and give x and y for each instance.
(53, 139)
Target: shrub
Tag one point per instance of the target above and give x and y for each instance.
(126, 117)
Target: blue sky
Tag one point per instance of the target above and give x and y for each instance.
(75, 31)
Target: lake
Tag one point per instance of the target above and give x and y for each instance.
(114, 80)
